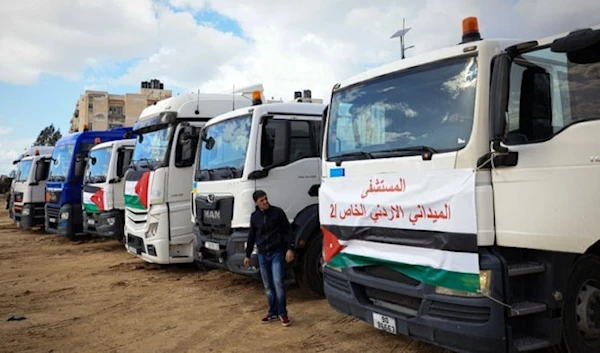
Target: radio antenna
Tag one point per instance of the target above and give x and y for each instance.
(198, 103)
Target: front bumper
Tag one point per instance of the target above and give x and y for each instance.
(158, 248)
(29, 215)
(66, 220)
(230, 254)
(98, 223)
(463, 324)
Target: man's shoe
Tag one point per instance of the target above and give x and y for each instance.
(285, 321)
(268, 318)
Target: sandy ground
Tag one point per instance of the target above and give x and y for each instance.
(92, 296)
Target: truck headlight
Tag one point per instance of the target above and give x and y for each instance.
(25, 211)
(64, 215)
(110, 221)
(485, 284)
(152, 228)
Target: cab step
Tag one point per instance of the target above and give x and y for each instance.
(525, 268)
(527, 308)
(527, 344)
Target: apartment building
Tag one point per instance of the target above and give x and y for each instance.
(101, 110)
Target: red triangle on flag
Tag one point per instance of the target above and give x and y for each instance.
(331, 245)
(141, 188)
(98, 199)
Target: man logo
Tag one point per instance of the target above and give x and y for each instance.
(210, 198)
(212, 214)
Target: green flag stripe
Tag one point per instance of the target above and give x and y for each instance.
(90, 207)
(133, 201)
(455, 280)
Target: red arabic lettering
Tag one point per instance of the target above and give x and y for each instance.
(380, 187)
(332, 210)
(434, 215)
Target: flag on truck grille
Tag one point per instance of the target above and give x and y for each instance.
(422, 224)
(136, 189)
(94, 199)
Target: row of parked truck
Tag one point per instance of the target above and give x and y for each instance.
(447, 196)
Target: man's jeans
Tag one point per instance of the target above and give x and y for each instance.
(272, 271)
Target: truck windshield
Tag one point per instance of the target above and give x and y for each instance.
(426, 108)
(151, 148)
(97, 167)
(24, 169)
(59, 168)
(226, 159)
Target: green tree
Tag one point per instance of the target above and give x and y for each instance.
(48, 136)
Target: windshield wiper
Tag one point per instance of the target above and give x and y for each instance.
(147, 160)
(400, 150)
(57, 178)
(212, 171)
(360, 154)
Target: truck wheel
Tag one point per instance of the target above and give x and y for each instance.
(312, 267)
(581, 315)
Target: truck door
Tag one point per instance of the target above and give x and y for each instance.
(179, 183)
(289, 151)
(546, 189)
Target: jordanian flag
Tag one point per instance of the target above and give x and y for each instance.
(421, 224)
(137, 187)
(94, 200)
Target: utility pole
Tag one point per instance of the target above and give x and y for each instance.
(401, 33)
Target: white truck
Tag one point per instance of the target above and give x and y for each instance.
(103, 188)
(273, 147)
(158, 184)
(28, 189)
(458, 187)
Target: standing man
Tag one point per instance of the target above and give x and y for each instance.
(270, 230)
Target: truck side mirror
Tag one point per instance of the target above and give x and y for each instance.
(124, 161)
(40, 170)
(80, 165)
(499, 100)
(185, 151)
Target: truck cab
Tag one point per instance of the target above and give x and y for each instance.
(63, 209)
(272, 147)
(158, 182)
(457, 190)
(29, 188)
(104, 188)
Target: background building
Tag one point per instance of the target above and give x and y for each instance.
(101, 110)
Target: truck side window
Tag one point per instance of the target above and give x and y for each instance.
(274, 147)
(123, 161)
(187, 142)
(548, 93)
(46, 166)
(286, 141)
(301, 142)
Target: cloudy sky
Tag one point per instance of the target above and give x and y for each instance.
(51, 51)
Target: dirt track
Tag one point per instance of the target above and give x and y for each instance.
(92, 296)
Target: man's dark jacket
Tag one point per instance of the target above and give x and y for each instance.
(270, 231)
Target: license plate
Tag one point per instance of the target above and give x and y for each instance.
(384, 323)
(212, 246)
(91, 221)
(132, 250)
(53, 220)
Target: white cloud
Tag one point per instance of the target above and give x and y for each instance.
(65, 37)
(314, 44)
(5, 130)
(10, 149)
(287, 46)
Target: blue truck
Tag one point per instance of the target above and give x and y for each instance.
(63, 210)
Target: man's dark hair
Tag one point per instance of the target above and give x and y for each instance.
(258, 194)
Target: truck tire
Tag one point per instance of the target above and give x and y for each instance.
(311, 272)
(581, 311)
